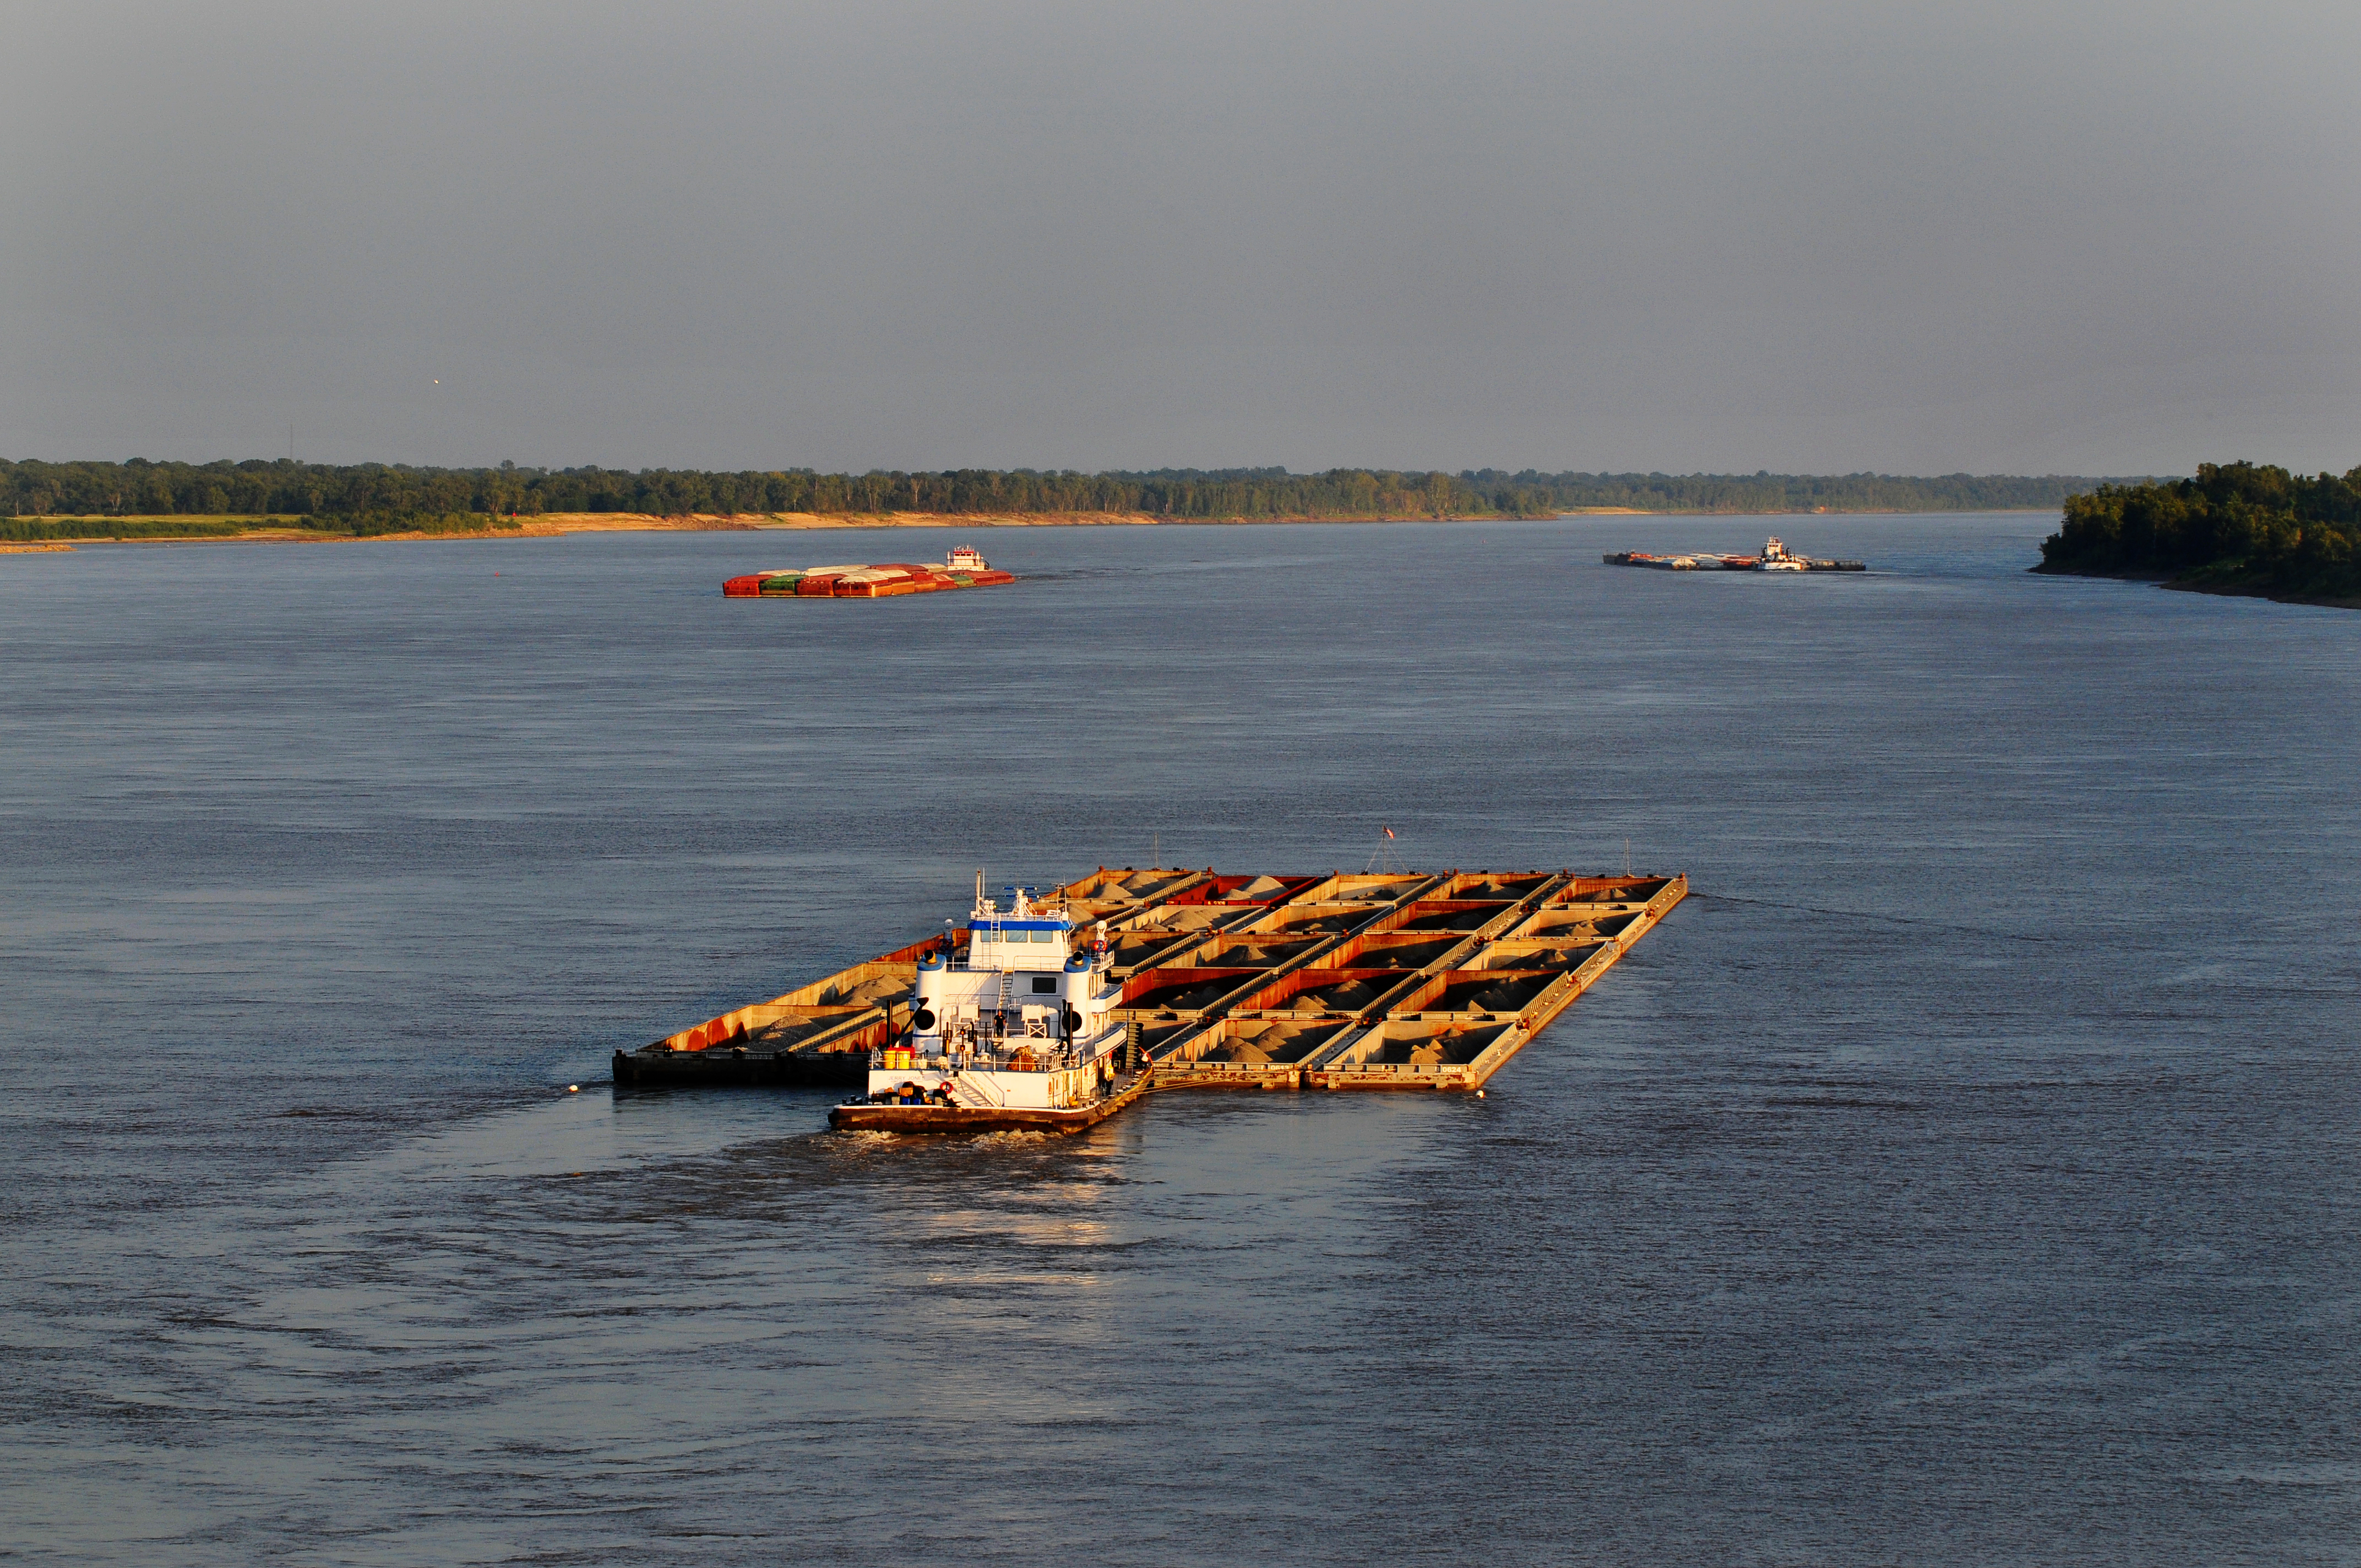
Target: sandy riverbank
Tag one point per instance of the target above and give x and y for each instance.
(619, 521)
(606, 522)
(550, 525)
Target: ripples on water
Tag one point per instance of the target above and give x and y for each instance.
(1966, 1175)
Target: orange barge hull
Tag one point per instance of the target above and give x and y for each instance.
(889, 581)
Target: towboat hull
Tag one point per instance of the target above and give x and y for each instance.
(865, 1116)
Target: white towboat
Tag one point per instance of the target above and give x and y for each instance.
(1019, 1032)
(965, 558)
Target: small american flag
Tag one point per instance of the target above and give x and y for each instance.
(1389, 832)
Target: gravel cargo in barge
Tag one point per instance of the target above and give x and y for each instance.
(1054, 1012)
(962, 568)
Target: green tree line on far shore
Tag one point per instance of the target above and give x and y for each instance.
(2240, 526)
(376, 497)
(343, 525)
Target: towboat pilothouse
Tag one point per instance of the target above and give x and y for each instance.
(1016, 1033)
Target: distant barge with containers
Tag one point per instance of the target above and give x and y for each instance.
(962, 568)
(1054, 1010)
(1775, 557)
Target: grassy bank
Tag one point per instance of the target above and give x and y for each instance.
(365, 525)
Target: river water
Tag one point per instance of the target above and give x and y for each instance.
(1965, 1174)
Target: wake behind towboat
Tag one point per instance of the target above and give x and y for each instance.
(1775, 557)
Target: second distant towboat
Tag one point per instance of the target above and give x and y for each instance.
(1775, 557)
(964, 567)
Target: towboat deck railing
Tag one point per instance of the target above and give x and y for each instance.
(982, 1089)
(1020, 1054)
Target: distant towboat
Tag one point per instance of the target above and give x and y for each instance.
(1775, 557)
(964, 567)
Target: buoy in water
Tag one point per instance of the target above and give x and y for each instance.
(577, 1089)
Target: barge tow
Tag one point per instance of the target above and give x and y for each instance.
(1051, 1012)
(1775, 557)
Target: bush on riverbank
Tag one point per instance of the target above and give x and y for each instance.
(2243, 526)
(35, 529)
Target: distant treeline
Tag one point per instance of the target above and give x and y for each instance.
(34, 490)
(1768, 492)
(340, 525)
(2237, 525)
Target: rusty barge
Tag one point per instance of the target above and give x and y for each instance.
(1053, 1011)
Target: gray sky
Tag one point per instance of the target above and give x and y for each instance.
(2087, 238)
